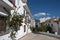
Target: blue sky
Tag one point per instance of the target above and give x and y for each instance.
(44, 8)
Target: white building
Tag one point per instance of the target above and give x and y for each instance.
(32, 22)
(44, 19)
(54, 23)
(7, 7)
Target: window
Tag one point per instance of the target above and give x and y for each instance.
(6, 9)
(52, 25)
(24, 28)
(2, 24)
(4, 29)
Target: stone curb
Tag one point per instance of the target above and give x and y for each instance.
(49, 34)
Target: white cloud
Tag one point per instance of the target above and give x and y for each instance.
(44, 19)
(41, 14)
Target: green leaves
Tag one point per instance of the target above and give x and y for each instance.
(14, 21)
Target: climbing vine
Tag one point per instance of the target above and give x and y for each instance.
(14, 21)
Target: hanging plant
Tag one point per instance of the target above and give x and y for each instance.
(14, 23)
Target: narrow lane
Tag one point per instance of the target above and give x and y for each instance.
(33, 36)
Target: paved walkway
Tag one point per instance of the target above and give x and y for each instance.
(33, 36)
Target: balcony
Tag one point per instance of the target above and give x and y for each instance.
(7, 3)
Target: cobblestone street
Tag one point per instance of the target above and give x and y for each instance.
(33, 36)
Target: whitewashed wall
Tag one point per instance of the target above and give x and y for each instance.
(32, 22)
(20, 32)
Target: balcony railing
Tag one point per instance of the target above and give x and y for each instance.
(10, 3)
(13, 2)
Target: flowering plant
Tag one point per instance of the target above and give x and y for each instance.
(15, 23)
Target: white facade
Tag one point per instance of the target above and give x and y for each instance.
(20, 9)
(44, 19)
(32, 22)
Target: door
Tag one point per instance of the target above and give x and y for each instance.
(2, 24)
